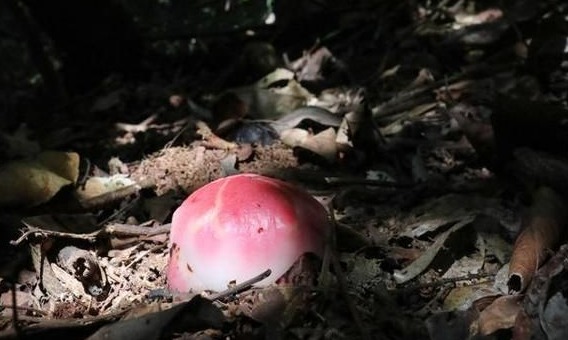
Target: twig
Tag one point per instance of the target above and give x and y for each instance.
(441, 282)
(111, 229)
(217, 296)
(240, 287)
(144, 253)
(135, 230)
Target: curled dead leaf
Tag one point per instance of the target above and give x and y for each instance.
(501, 314)
(322, 144)
(542, 230)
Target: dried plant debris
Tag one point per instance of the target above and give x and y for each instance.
(433, 132)
(186, 169)
(543, 230)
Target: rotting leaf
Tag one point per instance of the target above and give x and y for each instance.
(542, 230)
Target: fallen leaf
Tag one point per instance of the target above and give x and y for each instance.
(542, 230)
(36, 181)
(322, 144)
(277, 75)
(420, 264)
(501, 314)
(463, 298)
(198, 313)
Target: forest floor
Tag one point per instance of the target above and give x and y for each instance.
(433, 137)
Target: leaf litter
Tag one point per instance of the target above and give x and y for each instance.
(409, 147)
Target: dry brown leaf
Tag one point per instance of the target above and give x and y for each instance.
(322, 144)
(522, 329)
(501, 314)
(542, 230)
